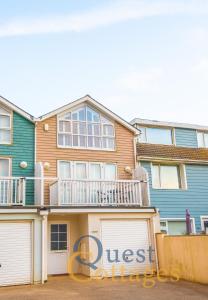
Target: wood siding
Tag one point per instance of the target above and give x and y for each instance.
(186, 137)
(48, 151)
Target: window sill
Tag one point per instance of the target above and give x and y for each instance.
(89, 149)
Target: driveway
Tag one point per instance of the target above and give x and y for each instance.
(64, 288)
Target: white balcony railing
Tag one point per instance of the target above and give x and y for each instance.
(96, 193)
(12, 191)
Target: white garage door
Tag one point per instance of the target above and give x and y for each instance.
(15, 253)
(120, 235)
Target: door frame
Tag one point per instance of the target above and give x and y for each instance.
(49, 251)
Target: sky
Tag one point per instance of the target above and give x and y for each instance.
(140, 58)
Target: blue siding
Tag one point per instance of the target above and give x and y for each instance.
(186, 137)
(22, 149)
(173, 203)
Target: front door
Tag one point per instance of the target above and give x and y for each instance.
(58, 248)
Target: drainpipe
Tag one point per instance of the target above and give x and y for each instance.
(44, 215)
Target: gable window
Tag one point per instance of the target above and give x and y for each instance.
(202, 138)
(85, 128)
(168, 176)
(156, 135)
(5, 126)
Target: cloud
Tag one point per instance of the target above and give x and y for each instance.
(143, 80)
(115, 12)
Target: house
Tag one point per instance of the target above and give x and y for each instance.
(176, 158)
(69, 183)
(88, 156)
(20, 222)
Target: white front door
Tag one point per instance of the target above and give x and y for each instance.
(58, 248)
(15, 253)
(121, 235)
(4, 167)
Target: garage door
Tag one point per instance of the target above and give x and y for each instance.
(15, 253)
(120, 235)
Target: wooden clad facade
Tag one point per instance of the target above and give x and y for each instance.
(48, 151)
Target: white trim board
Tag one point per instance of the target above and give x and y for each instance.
(95, 104)
(100, 210)
(15, 108)
(171, 160)
(167, 124)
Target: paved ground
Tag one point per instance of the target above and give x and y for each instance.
(64, 288)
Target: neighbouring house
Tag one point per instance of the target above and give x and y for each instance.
(176, 158)
(20, 222)
(88, 155)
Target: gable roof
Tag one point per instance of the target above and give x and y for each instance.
(89, 100)
(167, 124)
(15, 108)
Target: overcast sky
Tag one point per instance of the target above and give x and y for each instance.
(146, 59)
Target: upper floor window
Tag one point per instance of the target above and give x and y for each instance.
(5, 126)
(156, 135)
(85, 128)
(168, 176)
(202, 138)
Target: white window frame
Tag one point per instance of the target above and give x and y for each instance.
(10, 163)
(149, 142)
(68, 236)
(101, 124)
(182, 175)
(203, 132)
(178, 219)
(73, 166)
(203, 218)
(10, 115)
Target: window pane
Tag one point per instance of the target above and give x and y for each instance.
(64, 169)
(200, 139)
(82, 141)
(4, 167)
(75, 127)
(81, 171)
(4, 121)
(67, 116)
(110, 172)
(89, 115)
(96, 129)
(54, 237)
(90, 141)
(75, 116)
(82, 128)
(169, 177)
(82, 114)
(95, 171)
(206, 140)
(108, 130)
(54, 246)
(64, 126)
(90, 126)
(63, 237)
(159, 136)
(97, 142)
(75, 140)
(62, 246)
(176, 227)
(54, 228)
(95, 117)
(155, 176)
(62, 227)
(108, 143)
(5, 136)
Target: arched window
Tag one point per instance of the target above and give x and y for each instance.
(5, 126)
(85, 128)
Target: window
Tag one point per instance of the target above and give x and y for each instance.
(4, 167)
(59, 237)
(168, 176)
(85, 128)
(175, 226)
(5, 126)
(87, 170)
(154, 135)
(202, 138)
(204, 224)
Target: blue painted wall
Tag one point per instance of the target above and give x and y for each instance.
(22, 149)
(173, 203)
(186, 137)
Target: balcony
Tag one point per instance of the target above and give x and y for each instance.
(96, 193)
(42, 191)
